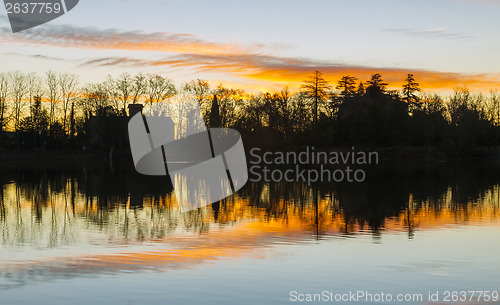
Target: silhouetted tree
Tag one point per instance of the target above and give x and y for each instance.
(360, 91)
(374, 118)
(215, 120)
(230, 104)
(316, 87)
(19, 91)
(34, 86)
(138, 87)
(494, 110)
(68, 83)
(347, 86)
(110, 85)
(285, 111)
(159, 88)
(429, 125)
(52, 82)
(37, 122)
(199, 88)
(376, 85)
(125, 87)
(410, 88)
(468, 120)
(313, 116)
(95, 100)
(4, 92)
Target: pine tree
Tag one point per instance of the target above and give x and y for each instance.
(376, 85)
(347, 85)
(361, 89)
(410, 88)
(215, 120)
(316, 87)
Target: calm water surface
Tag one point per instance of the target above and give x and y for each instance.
(95, 236)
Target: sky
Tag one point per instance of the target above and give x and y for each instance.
(267, 45)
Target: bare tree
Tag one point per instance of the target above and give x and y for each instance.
(95, 100)
(4, 93)
(159, 88)
(279, 110)
(283, 111)
(301, 112)
(460, 102)
(112, 91)
(38, 120)
(34, 84)
(316, 87)
(230, 103)
(138, 87)
(334, 102)
(68, 83)
(284, 106)
(125, 87)
(200, 89)
(52, 82)
(495, 107)
(19, 91)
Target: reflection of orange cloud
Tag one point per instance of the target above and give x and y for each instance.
(242, 230)
(255, 238)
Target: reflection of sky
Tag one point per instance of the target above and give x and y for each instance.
(87, 252)
(356, 37)
(437, 260)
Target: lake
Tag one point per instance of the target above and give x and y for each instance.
(100, 235)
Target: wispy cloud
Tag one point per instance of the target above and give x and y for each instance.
(112, 39)
(35, 56)
(292, 71)
(481, 2)
(113, 61)
(250, 62)
(431, 33)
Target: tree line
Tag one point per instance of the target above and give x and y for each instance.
(53, 111)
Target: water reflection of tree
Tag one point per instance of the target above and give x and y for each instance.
(126, 206)
(401, 191)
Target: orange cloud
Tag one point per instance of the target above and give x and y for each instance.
(90, 38)
(429, 80)
(275, 72)
(246, 63)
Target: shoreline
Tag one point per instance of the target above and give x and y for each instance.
(64, 159)
(123, 159)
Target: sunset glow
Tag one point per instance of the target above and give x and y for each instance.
(443, 54)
